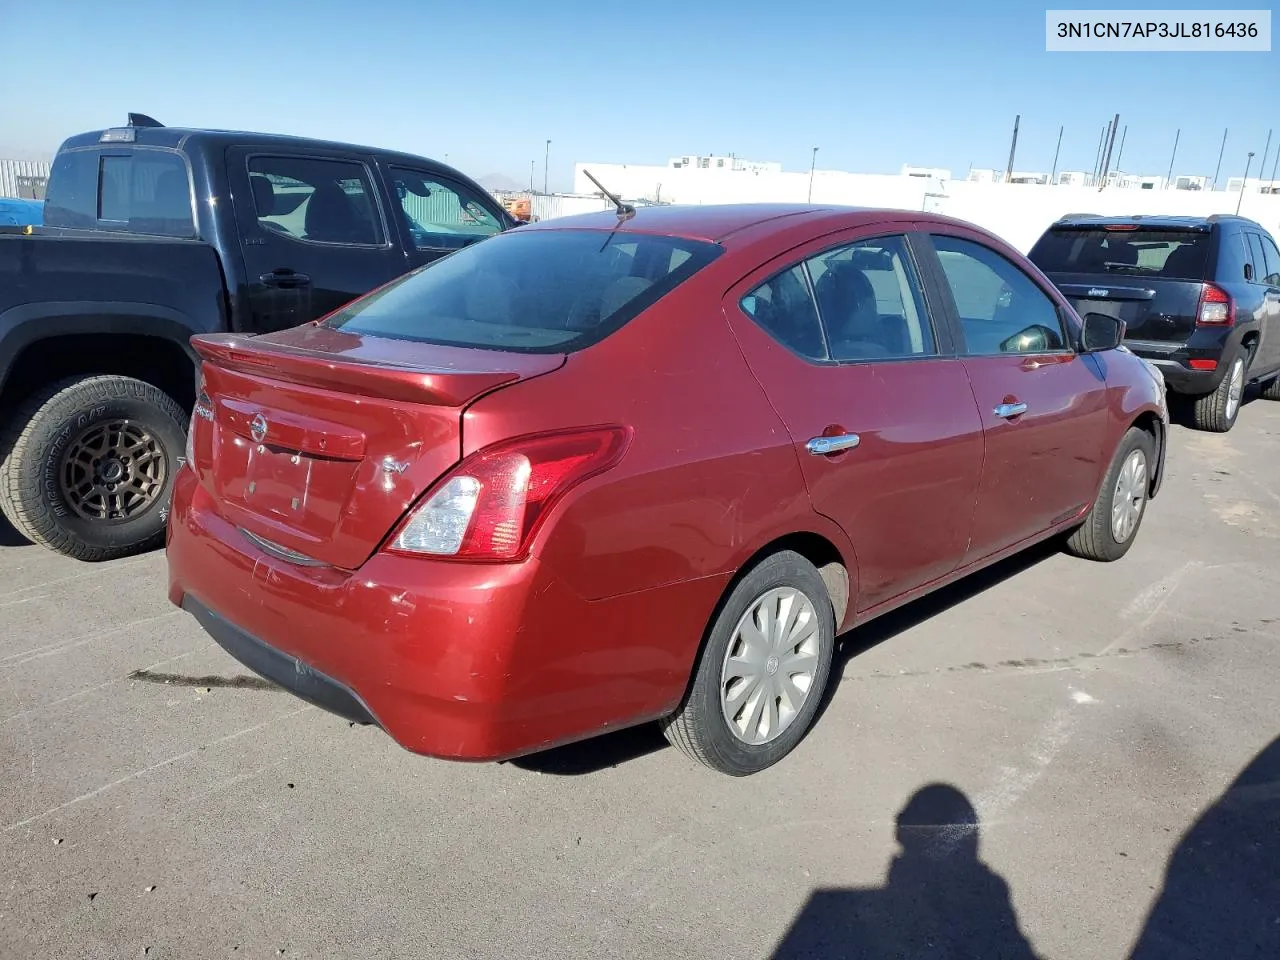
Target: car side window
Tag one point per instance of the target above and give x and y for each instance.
(783, 307)
(441, 216)
(869, 301)
(315, 200)
(1001, 309)
(1271, 274)
(1258, 258)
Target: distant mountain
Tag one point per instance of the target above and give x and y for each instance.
(497, 181)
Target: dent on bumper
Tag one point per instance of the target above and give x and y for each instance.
(464, 661)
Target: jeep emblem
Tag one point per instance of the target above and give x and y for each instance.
(1095, 292)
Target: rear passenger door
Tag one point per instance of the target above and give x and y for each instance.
(1043, 405)
(878, 409)
(313, 235)
(1266, 284)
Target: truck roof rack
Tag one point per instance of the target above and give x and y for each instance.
(142, 120)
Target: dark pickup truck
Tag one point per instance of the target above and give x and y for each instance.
(152, 234)
(1199, 296)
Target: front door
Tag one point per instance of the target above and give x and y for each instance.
(878, 409)
(1043, 406)
(436, 214)
(313, 235)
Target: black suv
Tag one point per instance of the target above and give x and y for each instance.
(1199, 296)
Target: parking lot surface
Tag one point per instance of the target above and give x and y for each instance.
(156, 800)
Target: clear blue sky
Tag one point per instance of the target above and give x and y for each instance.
(872, 84)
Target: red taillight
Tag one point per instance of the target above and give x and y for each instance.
(1203, 364)
(1216, 308)
(490, 505)
(1120, 226)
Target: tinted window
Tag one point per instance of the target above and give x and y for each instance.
(534, 291)
(1176, 254)
(441, 216)
(1257, 257)
(870, 302)
(1002, 310)
(321, 201)
(141, 191)
(1272, 254)
(784, 309)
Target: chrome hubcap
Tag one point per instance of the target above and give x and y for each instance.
(769, 669)
(1131, 491)
(1235, 388)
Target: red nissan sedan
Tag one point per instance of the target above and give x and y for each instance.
(605, 470)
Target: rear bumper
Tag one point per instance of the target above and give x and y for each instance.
(1174, 360)
(453, 660)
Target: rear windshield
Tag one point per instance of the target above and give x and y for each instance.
(121, 188)
(1173, 254)
(538, 291)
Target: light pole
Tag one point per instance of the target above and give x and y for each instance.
(1243, 183)
(545, 160)
(1218, 169)
(813, 163)
(531, 163)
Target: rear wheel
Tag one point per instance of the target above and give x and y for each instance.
(1217, 411)
(1112, 523)
(87, 466)
(759, 681)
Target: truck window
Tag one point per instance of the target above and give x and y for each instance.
(441, 216)
(1144, 252)
(315, 201)
(136, 190)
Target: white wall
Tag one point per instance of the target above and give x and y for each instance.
(1017, 212)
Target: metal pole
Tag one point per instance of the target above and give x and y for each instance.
(1169, 178)
(1274, 164)
(531, 164)
(545, 160)
(1218, 168)
(1262, 167)
(1097, 160)
(1111, 142)
(1013, 147)
(1245, 182)
(1123, 133)
(813, 163)
(1056, 151)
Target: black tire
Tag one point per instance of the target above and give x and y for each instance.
(38, 441)
(1095, 538)
(1271, 389)
(1215, 412)
(699, 727)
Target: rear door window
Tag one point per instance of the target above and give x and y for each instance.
(532, 291)
(1257, 258)
(1142, 252)
(1271, 276)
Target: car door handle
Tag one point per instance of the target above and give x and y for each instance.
(825, 446)
(285, 279)
(1010, 410)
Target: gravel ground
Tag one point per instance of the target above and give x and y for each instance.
(1068, 723)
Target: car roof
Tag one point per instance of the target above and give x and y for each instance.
(191, 138)
(1157, 221)
(719, 223)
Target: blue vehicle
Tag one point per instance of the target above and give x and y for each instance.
(21, 213)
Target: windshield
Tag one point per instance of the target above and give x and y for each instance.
(540, 291)
(1145, 252)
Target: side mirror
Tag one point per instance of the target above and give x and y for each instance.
(1101, 332)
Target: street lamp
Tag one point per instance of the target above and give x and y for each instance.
(545, 160)
(531, 165)
(1243, 183)
(812, 164)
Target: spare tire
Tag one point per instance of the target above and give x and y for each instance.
(87, 466)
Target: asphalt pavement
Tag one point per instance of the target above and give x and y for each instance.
(1054, 758)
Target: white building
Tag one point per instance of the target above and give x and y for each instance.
(713, 162)
(926, 173)
(1183, 182)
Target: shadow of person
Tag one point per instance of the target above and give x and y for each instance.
(938, 901)
(1221, 895)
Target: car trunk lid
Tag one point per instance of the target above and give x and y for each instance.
(321, 439)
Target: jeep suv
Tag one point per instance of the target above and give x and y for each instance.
(1199, 296)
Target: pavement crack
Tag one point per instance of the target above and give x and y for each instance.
(238, 682)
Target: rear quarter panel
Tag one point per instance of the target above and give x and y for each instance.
(710, 476)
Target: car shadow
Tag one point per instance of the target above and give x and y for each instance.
(939, 899)
(1182, 408)
(611, 749)
(1221, 894)
(9, 537)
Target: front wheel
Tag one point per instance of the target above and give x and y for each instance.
(87, 466)
(1111, 525)
(760, 679)
(1217, 411)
